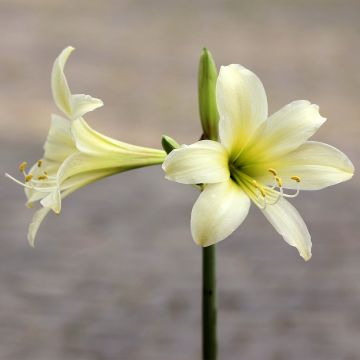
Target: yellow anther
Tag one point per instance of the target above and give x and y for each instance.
(279, 181)
(42, 177)
(39, 163)
(259, 187)
(262, 190)
(22, 166)
(272, 171)
(45, 173)
(296, 178)
(28, 178)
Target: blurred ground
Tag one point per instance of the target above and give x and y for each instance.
(117, 275)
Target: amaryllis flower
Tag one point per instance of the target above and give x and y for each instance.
(75, 154)
(260, 159)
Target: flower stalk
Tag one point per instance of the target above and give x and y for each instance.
(209, 303)
(209, 120)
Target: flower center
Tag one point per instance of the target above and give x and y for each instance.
(37, 179)
(262, 194)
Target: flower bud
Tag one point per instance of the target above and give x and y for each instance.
(169, 144)
(207, 77)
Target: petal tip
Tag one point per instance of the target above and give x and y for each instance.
(306, 256)
(202, 241)
(31, 242)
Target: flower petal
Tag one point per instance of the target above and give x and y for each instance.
(74, 106)
(90, 141)
(37, 219)
(60, 142)
(82, 104)
(289, 224)
(40, 215)
(242, 105)
(284, 131)
(203, 162)
(219, 210)
(59, 86)
(52, 201)
(317, 164)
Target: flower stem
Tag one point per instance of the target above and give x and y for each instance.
(209, 120)
(209, 303)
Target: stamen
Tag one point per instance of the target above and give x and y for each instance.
(272, 171)
(39, 163)
(22, 166)
(278, 197)
(260, 188)
(296, 178)
(42, 177)
(278, 181)
(28, 177)
(261, 201)
(31, 186)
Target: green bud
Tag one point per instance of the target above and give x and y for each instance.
(207, 77)
(169, 144)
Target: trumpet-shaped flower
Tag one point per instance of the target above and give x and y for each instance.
(257, 159)
(75, 154)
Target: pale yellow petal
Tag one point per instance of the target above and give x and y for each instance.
(37, 219)
(284, 131)
(203, 162)
(242, 105)
(40, 215)
(59, 86)
(60, 142)
(52, 201)
(318, 165)
(289, 224)
(219, 211)
(82, 104)
(91, 142)
(74, 106)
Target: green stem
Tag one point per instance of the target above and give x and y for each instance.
(209, 303)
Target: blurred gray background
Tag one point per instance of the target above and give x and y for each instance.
(116, 276)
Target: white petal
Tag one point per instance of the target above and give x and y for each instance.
(60, 142)
(59, 85)
(242, 105)
(74, 106)
(37, 219)
(290, 225)
(317, 164)
(91, 142)
(52, 201)
(219, 210)
(285, 131)
(82, 104)
(40, 215)
(203, 162)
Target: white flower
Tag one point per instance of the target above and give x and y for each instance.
(256, 159)
(75, 154)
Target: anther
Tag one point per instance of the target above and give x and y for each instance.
(42, 177)
(278, 181)
(39, 163)
(22, 166)
(296, 178)
(260, 188)
(272, 171)
(28, 178)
